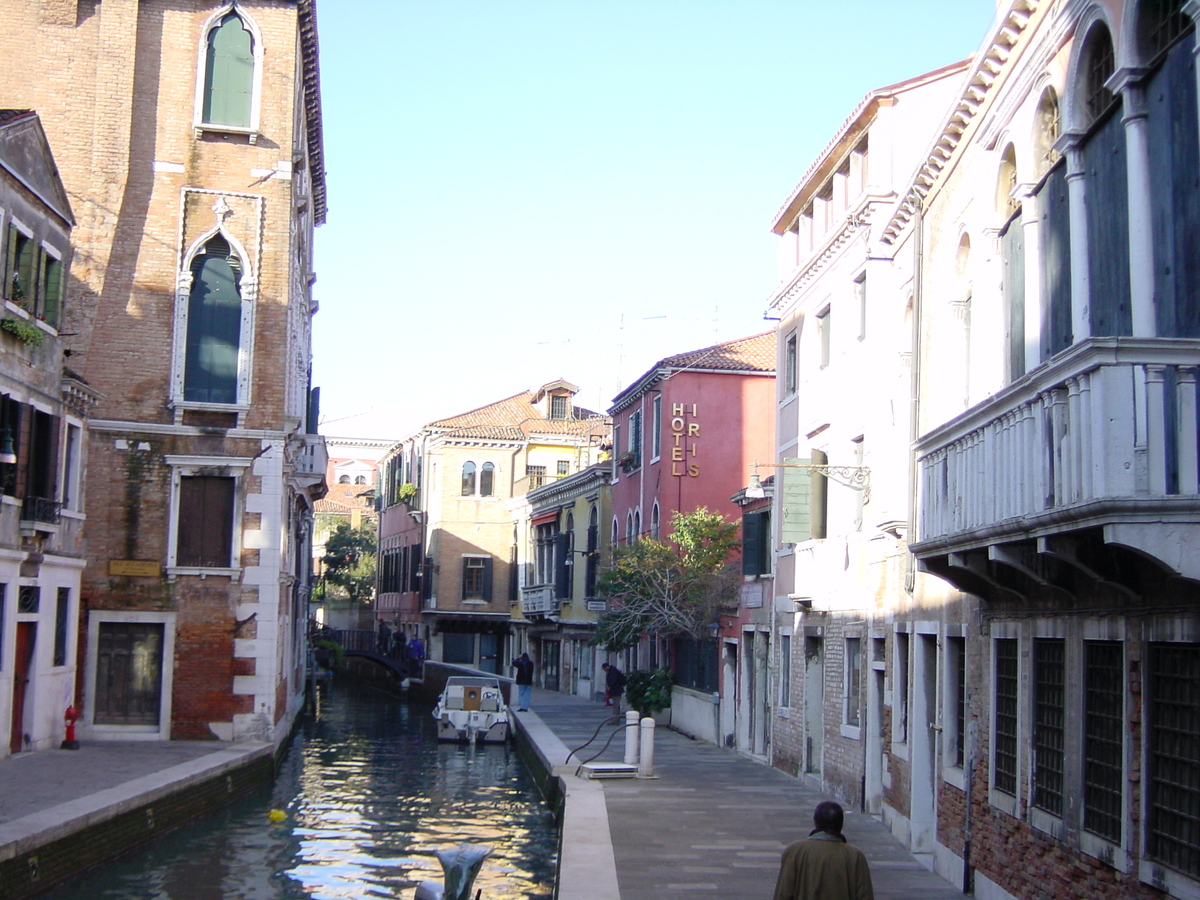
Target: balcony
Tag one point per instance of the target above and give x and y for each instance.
(538, 601)
(41, 511)
(1084, 471)
(309, 458)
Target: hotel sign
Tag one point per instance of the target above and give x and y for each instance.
(685, 434)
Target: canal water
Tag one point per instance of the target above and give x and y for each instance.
(369, 795)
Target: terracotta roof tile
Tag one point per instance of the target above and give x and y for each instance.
(516, 418)
(751, 354)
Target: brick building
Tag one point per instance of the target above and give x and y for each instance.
(190, 136)
(43, 428)
(447, 538)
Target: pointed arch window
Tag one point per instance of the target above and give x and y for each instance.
(230, 72)
(214, 325)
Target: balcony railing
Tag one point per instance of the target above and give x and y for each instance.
(538, 601)
(39, 509)
(1106, 432)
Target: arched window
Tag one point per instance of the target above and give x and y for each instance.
(1047, 127)
(629, 532)
(1097, 64)
(637, 525)
(360, 479)
(615, 533)
(1160, 24)
(214, 325)
(345, 479)
(487, 478)
(468, 479)
(655, 523)
(228, 92)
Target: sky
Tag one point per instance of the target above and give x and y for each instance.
(527, 190)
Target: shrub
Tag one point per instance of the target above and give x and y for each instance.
(649, 690)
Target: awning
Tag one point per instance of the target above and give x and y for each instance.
(545, 518)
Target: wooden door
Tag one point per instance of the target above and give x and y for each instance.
(26, 634)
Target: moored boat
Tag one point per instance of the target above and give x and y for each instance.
(472, 708)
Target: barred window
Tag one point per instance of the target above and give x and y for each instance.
(1173, 825)
(1049, 673)
(1103, 738)
(956, 700)
(1004, 764)
(1098, 65)
(853, 683)
(62, 626)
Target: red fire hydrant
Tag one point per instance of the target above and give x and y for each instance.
(70, 717)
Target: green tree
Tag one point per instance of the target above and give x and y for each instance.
(349, 561)
(671, 587)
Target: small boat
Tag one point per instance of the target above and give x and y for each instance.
(470, 709)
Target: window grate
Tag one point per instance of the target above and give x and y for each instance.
(1049, 672)
(1004, 777)
(1173, 827)
(1103, 738)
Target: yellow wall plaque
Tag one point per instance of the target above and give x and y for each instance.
(138, 567)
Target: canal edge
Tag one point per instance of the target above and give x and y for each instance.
(43, 849)
(587, 866)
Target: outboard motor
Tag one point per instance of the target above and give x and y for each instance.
(460, 867)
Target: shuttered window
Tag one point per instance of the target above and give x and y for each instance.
(756, 552)
(214, 325)
(205, 521)
(229, 74)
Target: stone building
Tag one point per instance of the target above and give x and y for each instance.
(447, 540)
(841, 473)
(43, 437)
(190, 136)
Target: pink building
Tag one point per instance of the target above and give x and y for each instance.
(684, 436)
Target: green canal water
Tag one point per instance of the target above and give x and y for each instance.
(369, 795)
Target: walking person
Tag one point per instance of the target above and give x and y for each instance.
(385, 638)
(614, 685)
(824, 866)
(524, 666)
(416, 653)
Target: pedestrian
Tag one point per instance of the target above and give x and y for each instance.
(385, 637)
(524, 666)
(614, 685)
(416, 653)
(824, 866)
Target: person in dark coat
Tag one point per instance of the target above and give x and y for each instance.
(524, 666)
(824, 866)
(614, 685)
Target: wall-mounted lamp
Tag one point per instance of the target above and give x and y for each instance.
(8, 453)
(856, 477)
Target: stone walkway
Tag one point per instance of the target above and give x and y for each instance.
(713, 823)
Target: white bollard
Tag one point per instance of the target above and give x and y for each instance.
(631, 738)
(646, 764)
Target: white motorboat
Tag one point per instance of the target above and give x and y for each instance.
(472, 708)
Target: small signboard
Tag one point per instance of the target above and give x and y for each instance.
(138, 568)
(752, 595)
(596, 606)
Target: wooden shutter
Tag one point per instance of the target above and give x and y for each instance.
(1108, 227)
(205, 521)
(487, 579)
(229, 74)
(796, 509)
(753, 543)
(1012, 256)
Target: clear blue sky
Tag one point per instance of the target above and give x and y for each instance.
(522, 190)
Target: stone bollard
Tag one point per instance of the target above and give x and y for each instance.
(631, 738)
(646, 763)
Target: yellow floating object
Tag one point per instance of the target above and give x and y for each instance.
(277, 815)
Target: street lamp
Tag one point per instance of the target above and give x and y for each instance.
(856, 477)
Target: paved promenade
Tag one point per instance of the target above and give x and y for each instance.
(712, 823)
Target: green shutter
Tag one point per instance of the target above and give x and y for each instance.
(229, 76)
(214, 327)
(52, 286)
(796, 509)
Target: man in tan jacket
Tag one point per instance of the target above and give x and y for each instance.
(824, 866)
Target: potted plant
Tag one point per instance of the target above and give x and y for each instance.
(649, 690)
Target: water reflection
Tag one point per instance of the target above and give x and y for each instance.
(369, 796)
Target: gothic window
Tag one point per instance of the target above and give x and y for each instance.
(227, 97)
(214, 325)
(1097, 67)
